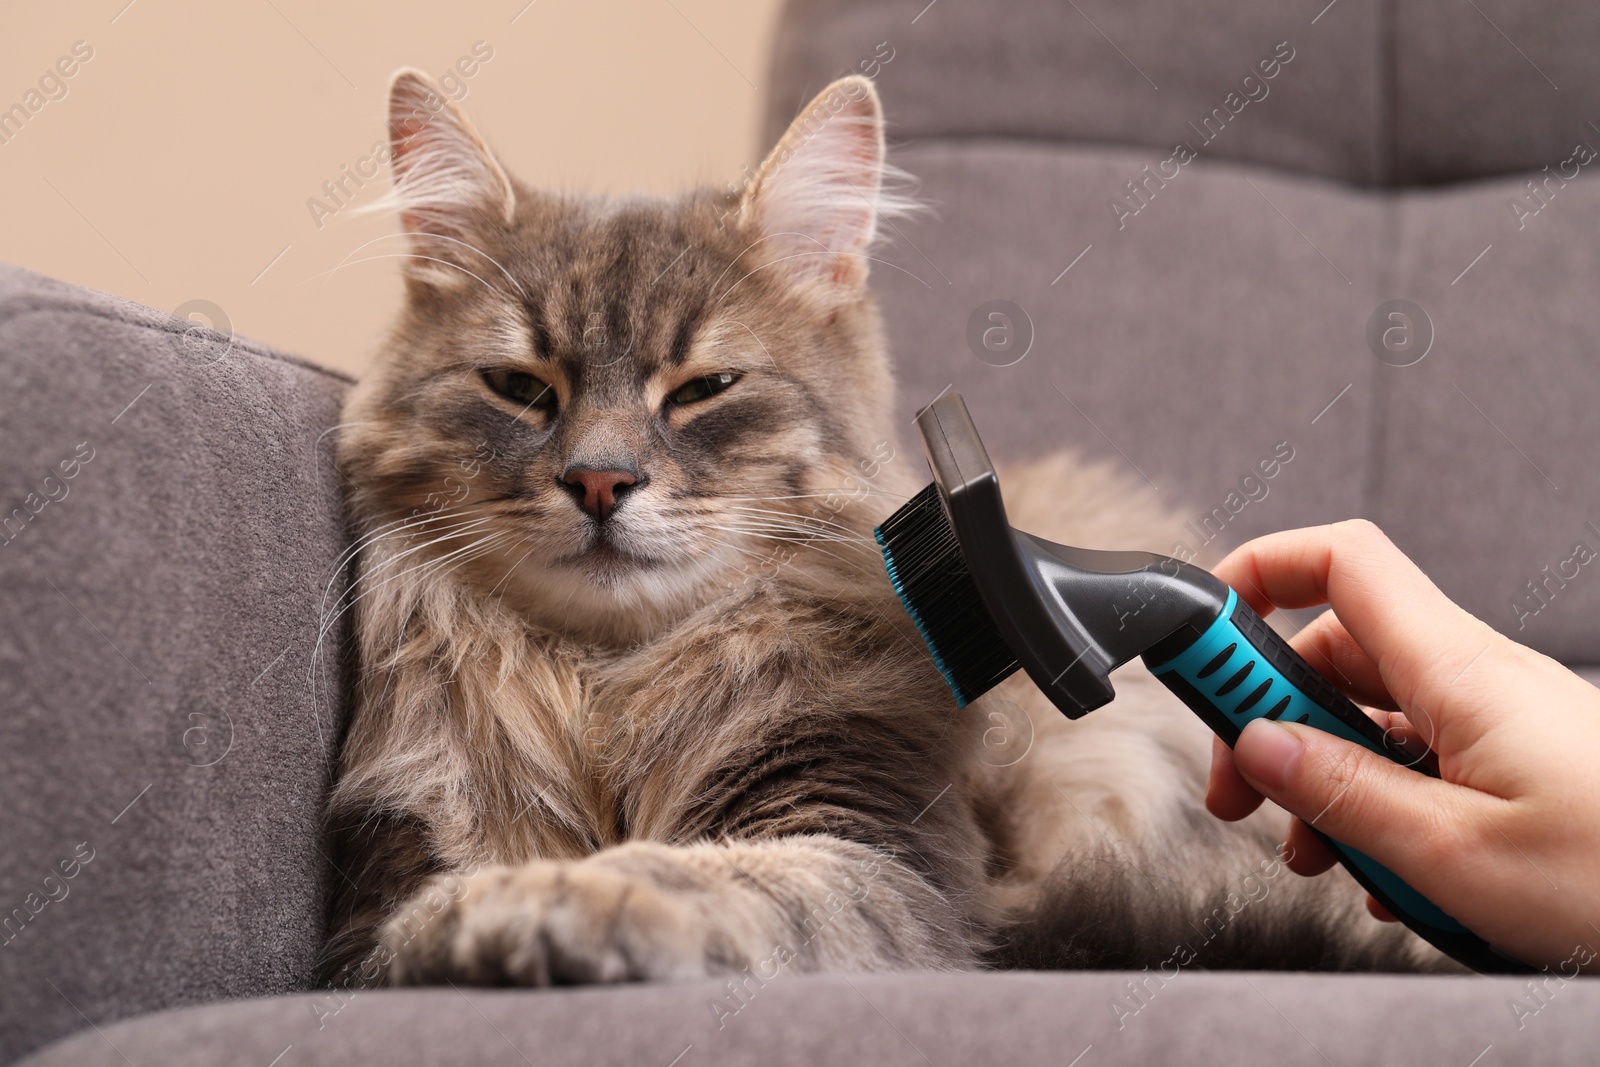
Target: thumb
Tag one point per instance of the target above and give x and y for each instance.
(1409, 822)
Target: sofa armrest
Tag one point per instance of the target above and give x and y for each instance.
(169, 517)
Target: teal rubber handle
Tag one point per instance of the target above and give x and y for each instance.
(1240, 669)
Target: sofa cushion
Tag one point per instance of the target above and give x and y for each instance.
(1378, 92)
(1086, 1018)
(166, 721)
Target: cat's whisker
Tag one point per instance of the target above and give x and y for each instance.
(694, 514)
(466, 529)
(414, 519)
(327, 590)
(440, 562)
(823, 493)
(797, 255)
(439, 237)
(788, 537)
(409, 255)
(798, 529)
(435, 563)
(339, 426)
(765, 237)
(530, 509)
(397, 527)
(519, 561)
(435, 568)
(377, 565)
(797, 523)
(752, 333)
(388, 529)
(816, 520)
(759, 557)
(767, 533)
(480, 548)
(793, 533)
(394, 527)
(823, 551)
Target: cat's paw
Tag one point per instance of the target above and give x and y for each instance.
(550, 923)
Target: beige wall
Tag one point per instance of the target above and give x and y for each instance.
(179, 162)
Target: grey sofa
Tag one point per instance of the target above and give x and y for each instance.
(172, 689)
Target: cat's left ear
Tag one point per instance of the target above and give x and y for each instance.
(447, 183)
(817, 197)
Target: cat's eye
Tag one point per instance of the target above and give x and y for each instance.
(698, 389)
(520, 387)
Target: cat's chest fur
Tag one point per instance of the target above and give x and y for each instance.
(556, 737)
(568, 747)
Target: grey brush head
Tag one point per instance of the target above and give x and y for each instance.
(926, 566)
(988, 599)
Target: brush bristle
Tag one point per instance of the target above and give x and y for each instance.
(928, 571)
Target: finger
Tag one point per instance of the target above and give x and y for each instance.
(1405, 820)
(1379, 912)
(1411, 630)
(1327, 646)
(1307, 854)
(1415, 744)
(1288, 569)
(1228, 795)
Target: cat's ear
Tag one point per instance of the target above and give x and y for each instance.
(447, 184)
(818, 196)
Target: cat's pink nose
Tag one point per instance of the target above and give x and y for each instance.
(599, 489)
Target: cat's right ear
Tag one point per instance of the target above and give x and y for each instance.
(819, 195)
(448, 185)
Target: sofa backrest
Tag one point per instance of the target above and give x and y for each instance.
(1183, 313)
(167, 718)
(1378, 92)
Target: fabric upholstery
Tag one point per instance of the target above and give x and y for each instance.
(1225, 314)
(159, 701)
(914, 1020)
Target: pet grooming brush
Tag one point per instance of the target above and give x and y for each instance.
(988, 599)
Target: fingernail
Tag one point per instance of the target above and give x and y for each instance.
(1267, 752)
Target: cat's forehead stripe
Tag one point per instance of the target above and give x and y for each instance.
(629, 304)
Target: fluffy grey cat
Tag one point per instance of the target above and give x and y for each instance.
(637, 700)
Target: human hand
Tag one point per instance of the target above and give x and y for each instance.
(1507, 839)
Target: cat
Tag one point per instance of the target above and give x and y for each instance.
(636, 699)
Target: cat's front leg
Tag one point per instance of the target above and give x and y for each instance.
(647, 911)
